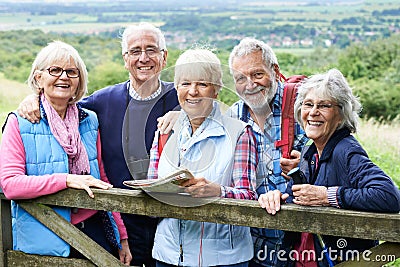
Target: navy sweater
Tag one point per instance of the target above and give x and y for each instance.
(110, 105)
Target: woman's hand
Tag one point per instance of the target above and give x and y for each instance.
(201, 187)
(167, 122)
(271, 201)
(310, 195)
(85, 182)
(125, 255)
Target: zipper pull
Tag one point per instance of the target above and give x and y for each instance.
(181, 252)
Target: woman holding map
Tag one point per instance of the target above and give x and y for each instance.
(220, 152)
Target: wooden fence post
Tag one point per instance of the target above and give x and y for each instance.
(70, 234)
(6, 230)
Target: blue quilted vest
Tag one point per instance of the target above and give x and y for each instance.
(44, 155)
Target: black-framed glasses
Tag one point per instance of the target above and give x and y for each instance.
(308, 105)
(150, 52)
(58, 71)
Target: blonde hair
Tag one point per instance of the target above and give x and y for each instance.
(199, 64)
(59, 51)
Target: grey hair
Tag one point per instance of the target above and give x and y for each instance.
(333, 86)
(59, 51)
(250, 45)
(199, 64)
(142, 26)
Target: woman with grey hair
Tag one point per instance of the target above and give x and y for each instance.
(220, 152)
(332, 85)
(336, 169)
(61, 151)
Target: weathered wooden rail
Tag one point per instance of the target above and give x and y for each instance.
(323, 220)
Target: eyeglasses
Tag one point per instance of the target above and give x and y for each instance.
(320, 106)
(58, 71)
(150, 52)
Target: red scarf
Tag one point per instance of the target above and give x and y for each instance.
(306, 251)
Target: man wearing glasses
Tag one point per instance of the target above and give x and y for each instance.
(127, 114)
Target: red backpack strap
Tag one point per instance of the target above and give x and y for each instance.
(288, 121)
(162, 139)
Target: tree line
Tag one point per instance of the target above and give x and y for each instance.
(373, 68)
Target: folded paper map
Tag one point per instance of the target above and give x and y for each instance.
(169, 184)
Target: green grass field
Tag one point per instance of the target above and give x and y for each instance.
(11, 93)
(382, 143)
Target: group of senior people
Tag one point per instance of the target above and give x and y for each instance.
(337, 169)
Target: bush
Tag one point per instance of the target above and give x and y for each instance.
(380, 100)
(106, 74)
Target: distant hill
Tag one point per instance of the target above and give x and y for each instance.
(292, 24)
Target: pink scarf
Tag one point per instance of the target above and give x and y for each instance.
(67, 134)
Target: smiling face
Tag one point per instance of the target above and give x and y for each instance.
(58, 90)
(255, 83)
(319, 123)
(196, 98)
(143, 68)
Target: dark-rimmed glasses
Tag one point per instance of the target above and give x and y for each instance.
(58, 71)
(150, 52)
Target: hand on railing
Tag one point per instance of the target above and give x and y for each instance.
(86, 181)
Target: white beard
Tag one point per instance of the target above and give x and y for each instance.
(257, 101)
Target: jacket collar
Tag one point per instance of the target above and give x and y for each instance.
(337, 136)
(213, 123)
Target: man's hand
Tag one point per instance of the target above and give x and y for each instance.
(288, 164)
(29, 108)
(167, 122)
(271, 201)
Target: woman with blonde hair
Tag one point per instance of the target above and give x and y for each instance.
(221, 154)
(61, 151)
